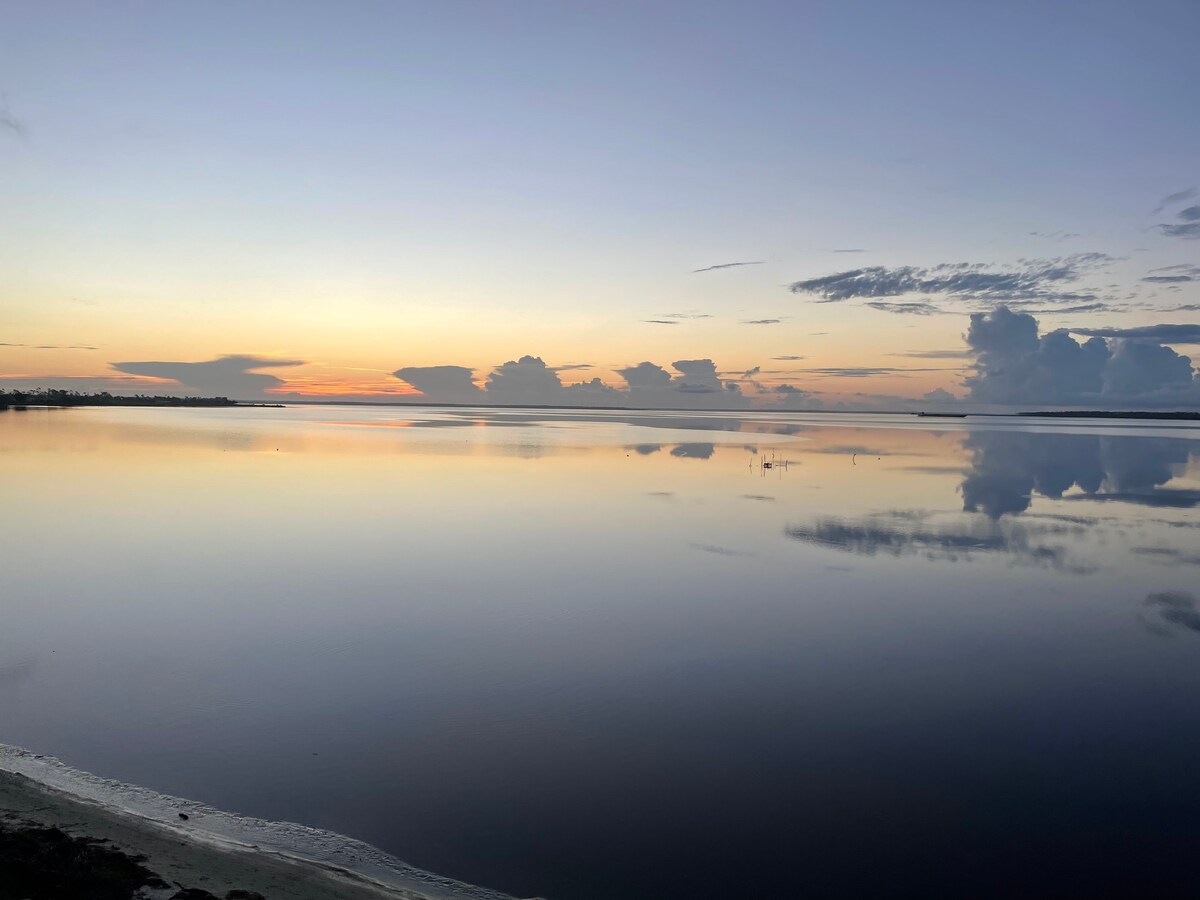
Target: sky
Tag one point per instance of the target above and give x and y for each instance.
(863, 204)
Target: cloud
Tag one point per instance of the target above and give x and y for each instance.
(756, 262)
(1065, 310)
(696, 385)
(1015, 365)
(1172, 199)
(529, 381)
(9, 123)
(1166, 334)
(660, 322)
(940, 395)
(645, 376)
(1188, 225)
(914, 309)
(449, 384)
(789, 358)
(523, 381)
(227, 376)
(1182, 230)
(866, 371)
(935, 354)
(1179, 274)
(1040, 279)
(761, 321)
(792, 397)
(687, 315)
(851, 250)
(52, 346)
(698, 376)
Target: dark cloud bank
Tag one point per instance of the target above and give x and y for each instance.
(528, 381)
(1133, 367)
(228, 376)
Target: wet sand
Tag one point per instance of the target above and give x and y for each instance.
(121, 854)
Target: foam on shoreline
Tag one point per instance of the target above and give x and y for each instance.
(220, 830)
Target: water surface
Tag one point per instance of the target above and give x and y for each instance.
(611, 655)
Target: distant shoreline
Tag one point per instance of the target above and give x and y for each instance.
(1105, 414)
(21, 400)
(64, 399)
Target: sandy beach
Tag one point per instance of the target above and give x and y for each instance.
(57, 846)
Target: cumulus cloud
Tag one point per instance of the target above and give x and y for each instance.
(698, 376)
(791, 397)
(523, 381)
(756, 262)
(697, 384)
(449, 384)
(645, 376)
(228, 376)
(1043, 280)
(1014, 364)
(529, 381)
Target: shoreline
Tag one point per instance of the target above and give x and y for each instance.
(102, 827)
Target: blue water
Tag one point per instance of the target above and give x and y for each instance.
(614, 655)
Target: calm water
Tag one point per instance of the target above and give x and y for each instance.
(608, 655)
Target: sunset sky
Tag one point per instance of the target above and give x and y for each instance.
(334, 192)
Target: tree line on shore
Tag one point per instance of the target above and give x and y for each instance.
(53, 397)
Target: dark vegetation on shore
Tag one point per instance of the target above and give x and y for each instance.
(48, 864)
(1110, 414)
(76, 398)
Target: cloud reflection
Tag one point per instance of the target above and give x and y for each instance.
(1175, 608)
(915, 533)
(1008, 467)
